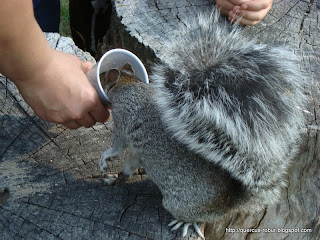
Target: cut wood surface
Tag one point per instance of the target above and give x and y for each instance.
(50, 185)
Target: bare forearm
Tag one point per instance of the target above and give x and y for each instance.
(23, 47)
(53, 83)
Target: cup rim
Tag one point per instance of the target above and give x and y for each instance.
(127, 54)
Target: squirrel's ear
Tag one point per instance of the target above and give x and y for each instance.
(113, 75)
(128, 69)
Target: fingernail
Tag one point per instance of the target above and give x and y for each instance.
(244, 6)
(236, 8)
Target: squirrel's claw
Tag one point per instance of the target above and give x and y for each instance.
(176, 224)
(185, 229)
(173, 223)
(198, 230)
(110, 179)
(116, 179)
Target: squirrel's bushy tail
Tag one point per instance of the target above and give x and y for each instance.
(235, 102)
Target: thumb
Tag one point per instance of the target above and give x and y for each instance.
(86, 66)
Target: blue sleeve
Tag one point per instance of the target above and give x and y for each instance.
(35, 3)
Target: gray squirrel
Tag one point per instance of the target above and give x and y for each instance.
(218, 126)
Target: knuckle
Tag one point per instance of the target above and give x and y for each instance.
(254, 19)
(252, 23)
(56, 118)
(265, 5)
(74, 115)
(91, 98)
(77, 116)
(92, 103)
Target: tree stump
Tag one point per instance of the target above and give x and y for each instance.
(50, 184)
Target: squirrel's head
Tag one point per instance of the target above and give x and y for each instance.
(116, 77)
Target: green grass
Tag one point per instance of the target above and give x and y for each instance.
(64, 18)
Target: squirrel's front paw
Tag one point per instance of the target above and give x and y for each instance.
(108, 154)
(115, 179)
(176, 224)
(103, 165)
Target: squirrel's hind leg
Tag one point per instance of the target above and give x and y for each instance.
(176, 224)
(128, 169)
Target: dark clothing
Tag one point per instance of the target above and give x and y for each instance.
(47, 13)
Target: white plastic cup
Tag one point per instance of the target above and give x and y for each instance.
(115, 58)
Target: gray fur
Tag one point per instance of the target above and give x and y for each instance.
(233, 101)
(220, 124)
(180, 174)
